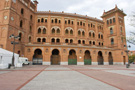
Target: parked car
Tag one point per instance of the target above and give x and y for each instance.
(24, 60)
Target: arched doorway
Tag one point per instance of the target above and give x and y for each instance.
(87, 58)
(55, 57)
(110, 59)
(100, 58)
(20, 36)
(37, 58)
(72, 58)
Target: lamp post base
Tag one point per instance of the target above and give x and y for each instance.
(127, 65)
(12, 67)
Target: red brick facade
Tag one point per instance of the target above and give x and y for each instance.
(62, 38)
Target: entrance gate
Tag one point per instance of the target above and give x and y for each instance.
(55, 57)
(72, 58)
(37, 58)
(87, 58)
(110, 59)
(100, 58)
(37, 61)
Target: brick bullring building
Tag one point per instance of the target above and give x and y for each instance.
(59, 38)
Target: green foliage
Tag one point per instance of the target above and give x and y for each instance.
(131, 58)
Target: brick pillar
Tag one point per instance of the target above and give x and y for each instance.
(94, 55)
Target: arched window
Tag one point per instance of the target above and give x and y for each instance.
(83, 33)
(122, 39)
(66, 32)
(65, 22)
(71, 32)
(110, 21)
(22, 11)
(91, 25)
(59, 21)
(21, 23)
(93, 34)
(45, 20)
(83, 42)
(43, 40)
(99, 43)
(102, 44)
(52, 20)
(42, 20)
(77, 23)
(44, 31)
(53, 40)
(39, 30)
(113, 20)
(58, 40)
(93, 42)
(53, 31)
(38, 20)
(111, 30)
(31, 17)
(58, 31)
(112, 41)
(79, 41)
(99, 36)
(29, 39)
(89, 42)
(89, 34)
(66, 41)
(81, 23)
(39, 40)
(107, 22)
(56, 20)
(79, 33)
(68, 21)
(72, 22)
(20, 36)
(121, 29)
(71, 41)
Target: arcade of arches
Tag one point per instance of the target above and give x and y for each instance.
(67, 56)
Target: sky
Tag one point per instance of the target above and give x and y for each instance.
(92, 8)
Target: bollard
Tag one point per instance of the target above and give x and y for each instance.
(9, 65)
(127, 65)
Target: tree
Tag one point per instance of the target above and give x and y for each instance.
(131, 58)
(131, 39)
(131, 19)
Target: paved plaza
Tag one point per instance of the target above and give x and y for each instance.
(115, 77)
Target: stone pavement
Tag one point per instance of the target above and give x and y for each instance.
(116, 77)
